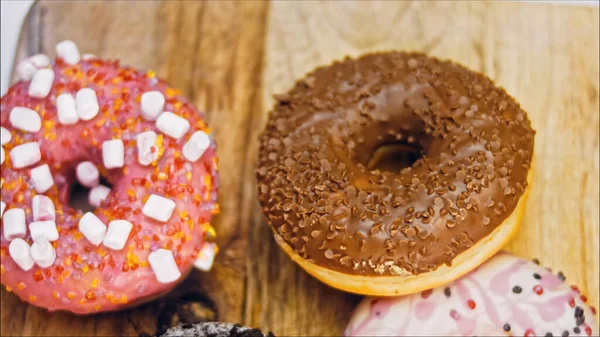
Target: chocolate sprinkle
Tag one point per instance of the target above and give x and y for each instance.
(517, 289)
(565, 333)
(537, 276)
(578, 312)
(506, 327)
(576, 330)
(536, 261)
(548, 334)
(316, 156)
(561, 276)
(447, 292)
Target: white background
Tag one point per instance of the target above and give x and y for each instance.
(13, 12)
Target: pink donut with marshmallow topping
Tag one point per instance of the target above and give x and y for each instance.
(506, 296)
(86, 120)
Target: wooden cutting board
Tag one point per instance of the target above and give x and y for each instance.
(230, 57)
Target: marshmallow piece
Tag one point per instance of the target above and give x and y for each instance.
(158, 208)
(117, 234)
(42, 178)
(87, 57)
(164, 266)
(41, 83)
(5, 135)
(2, 154)
(43, 208)
(66, 110)
(68, 51)
(87, 104)
(29, 66)
(13, 222)
(195, 147)
(40, 60)
(97, 195)
(87, 174)
(26, 70)
(92, 228)
(43, 230)
(43, 253)
(152, 104)
(147, 149)
(25, 119)
(113, 153)
(206, 256)
(25, 155)
(20, 252)
(2, 208)
(172, 125)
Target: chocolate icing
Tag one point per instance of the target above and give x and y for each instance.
(318, 195)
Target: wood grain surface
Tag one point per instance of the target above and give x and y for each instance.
(230, 57)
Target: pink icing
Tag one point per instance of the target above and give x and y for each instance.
(482, 303)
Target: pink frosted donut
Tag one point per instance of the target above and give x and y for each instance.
(79, 120)
(506, 296)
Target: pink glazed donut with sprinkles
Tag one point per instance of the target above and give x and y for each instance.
(83, 119)
(506, 296)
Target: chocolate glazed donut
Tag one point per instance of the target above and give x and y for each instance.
(395, 166)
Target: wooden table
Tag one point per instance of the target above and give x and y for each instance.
(230, 57)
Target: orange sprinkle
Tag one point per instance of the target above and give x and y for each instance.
(150, 74)
(77, 236)
(170, 92)
(124, 299)
(90, 295)
(97, 307)
(9, 289)
(109, 296)
(85, 269)
(70, 295)
(1, 269)
(188, 176)
(143, 264)
(59, 279)
(32, 298)
(21, 286)
(37, 275)
(55, 295)
(101, 252)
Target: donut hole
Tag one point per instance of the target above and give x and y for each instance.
(393, 157)
(78, 196)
